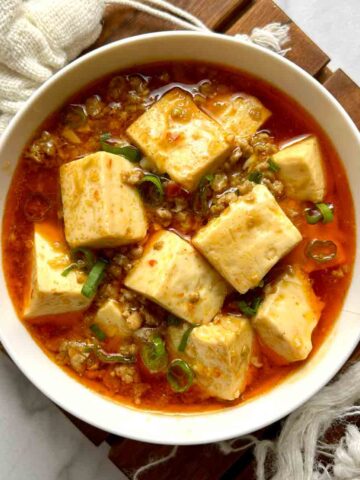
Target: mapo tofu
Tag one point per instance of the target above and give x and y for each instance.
(179, 236)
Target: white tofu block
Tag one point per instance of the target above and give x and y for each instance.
(219, 353)
(100, 210)
(247, 239)
(51, 293)
(301, 170)
(287, 317)
(111, 320)
(174, 275)
(180, 139)
(242, 115)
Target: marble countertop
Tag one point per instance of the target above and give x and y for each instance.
(37, 442)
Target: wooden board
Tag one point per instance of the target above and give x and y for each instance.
(209, 462)
(303, 51)
(121, 22)
(346, 92)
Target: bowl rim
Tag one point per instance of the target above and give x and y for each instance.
(169, 437)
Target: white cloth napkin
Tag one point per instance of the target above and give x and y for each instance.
(39, 37)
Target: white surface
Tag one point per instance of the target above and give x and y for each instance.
(333, 25)
(36, 441)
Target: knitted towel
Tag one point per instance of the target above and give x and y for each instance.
(39, 37)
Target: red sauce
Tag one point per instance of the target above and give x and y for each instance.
(288, 120)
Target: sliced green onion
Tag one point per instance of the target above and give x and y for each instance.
(112, 357)
(155, 180)
(180, 376)
(321, 251)
(78, 263)
(153, 354)
(273, 166)
(99, 334)
(184, 339)
(173, 320)
(327, 211)
(69, 269)
(102, 355)
(95, 276)
(201, 198)
(75, 116)
(89, 257)
(255, 176)
(249, 308)
(313, 216)
(130, 152)
(321, 212)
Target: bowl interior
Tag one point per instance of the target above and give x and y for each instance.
(265, 409)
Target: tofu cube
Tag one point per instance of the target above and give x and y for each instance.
(219, 353)
(247, 239)
(100, 209)
(242, 115)
(287, 317)
(301, 170)
(51, 293)
(111, 320)
(180, 139)
(174, 275)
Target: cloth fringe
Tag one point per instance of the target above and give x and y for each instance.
(273, 37)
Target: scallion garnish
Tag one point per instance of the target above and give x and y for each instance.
(173, 320)
(130, 152)
(112, 357)
(312, 215)
(96, 273)
(249, 308)
(153, 354)
(68, 269)
(99, 334)
(84, 257)
(154, 181)
(273, 166)
(180, 375)
(75, 116)
(101, 354)
(185, 338)
(202, 194)
(327, 212)
(320, 212)
(255, 176)
(321, 251)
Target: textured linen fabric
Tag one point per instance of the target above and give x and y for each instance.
(38, 38)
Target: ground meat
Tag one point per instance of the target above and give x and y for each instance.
(95, 107)
(133, 177)
(134, 321)
(220, 182)
(137, 251)
(122, 261)
(245, 147)
(164, 216)
(42, 149)
(127, 373)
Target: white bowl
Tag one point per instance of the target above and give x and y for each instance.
(290, 394)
